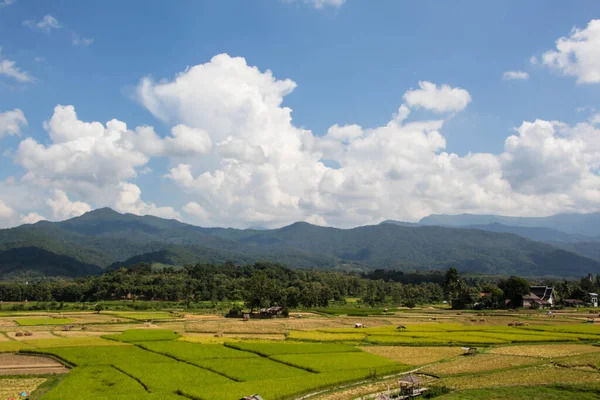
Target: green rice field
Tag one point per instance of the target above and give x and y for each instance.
(326, 355)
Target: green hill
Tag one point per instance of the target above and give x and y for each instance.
(104, 238)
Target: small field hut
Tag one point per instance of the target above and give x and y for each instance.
(410, 385)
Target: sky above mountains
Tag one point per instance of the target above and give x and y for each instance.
(262, 113)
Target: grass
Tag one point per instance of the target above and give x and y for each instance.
(11, 387)
(107, 355)
(279, 389)
(252, 369)
(407, 340)
(269, 348)
(171, 377)
(412, 355)
(572, 328)
(317, 336)
(336, 361)
(96, 382)
(524, 393)
(192, 352)
(43, 321)
(546, 351)
(139, 335)
(351, 311)
(479, 363)
(81, 341)
(537, 375)
(12, 346)
(142, 316)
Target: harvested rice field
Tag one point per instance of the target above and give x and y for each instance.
(538, 375)
(11, 388)
(20, 364)
(412, 355)
(478, 363)
(546, 351)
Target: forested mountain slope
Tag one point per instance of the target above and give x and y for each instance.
(103, 238)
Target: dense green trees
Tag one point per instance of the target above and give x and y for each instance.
(266, 284)
(258, 285)
(514, 289)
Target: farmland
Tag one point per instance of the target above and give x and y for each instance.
(205, 357)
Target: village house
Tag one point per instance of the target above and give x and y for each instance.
(594, 299)
(574, 303)
(544, 293)
(539, 296)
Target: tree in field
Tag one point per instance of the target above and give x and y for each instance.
(514, 289)
(452, 284)
(259, 291)
(98, 307)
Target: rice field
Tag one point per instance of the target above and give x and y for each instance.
(412, 355)
(143, 316)
(11, 388)
(337, 361)
(537, 375)
(138, 335)
(282, 359)
(478, 363)
(317, 336)
(271, 349)
(43, 321)
(546, 351)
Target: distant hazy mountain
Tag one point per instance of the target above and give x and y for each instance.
(533, 233)
(104, 238)
(582, 224)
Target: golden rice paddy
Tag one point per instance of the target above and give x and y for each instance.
(479, 363)
(538, 375)
(412, 355)
(10, 388)
(546, 350)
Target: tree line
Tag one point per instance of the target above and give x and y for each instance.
(266, 284)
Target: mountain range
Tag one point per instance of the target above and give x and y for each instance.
(104, 238)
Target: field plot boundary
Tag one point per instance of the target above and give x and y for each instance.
(186, 362)
(132, 377)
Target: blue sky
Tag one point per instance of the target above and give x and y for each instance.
(352, 63)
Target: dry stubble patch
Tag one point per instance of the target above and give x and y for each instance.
(546, 351)
(538, 375)
(412, 355)
(10, 388)
(479, 363)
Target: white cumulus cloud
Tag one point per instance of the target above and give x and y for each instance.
(239, 160)
(5, 211)
(87, 157)
(439, 99)
(31, 218)
(63, 208)
(129, 201)
(515, 75)
(11, 122)
(577, 54)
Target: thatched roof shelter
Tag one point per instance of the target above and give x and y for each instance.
(410, 379)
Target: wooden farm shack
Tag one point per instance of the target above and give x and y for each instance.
(469, 351)
(271, 312)
(574, 303)
(410, 385)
